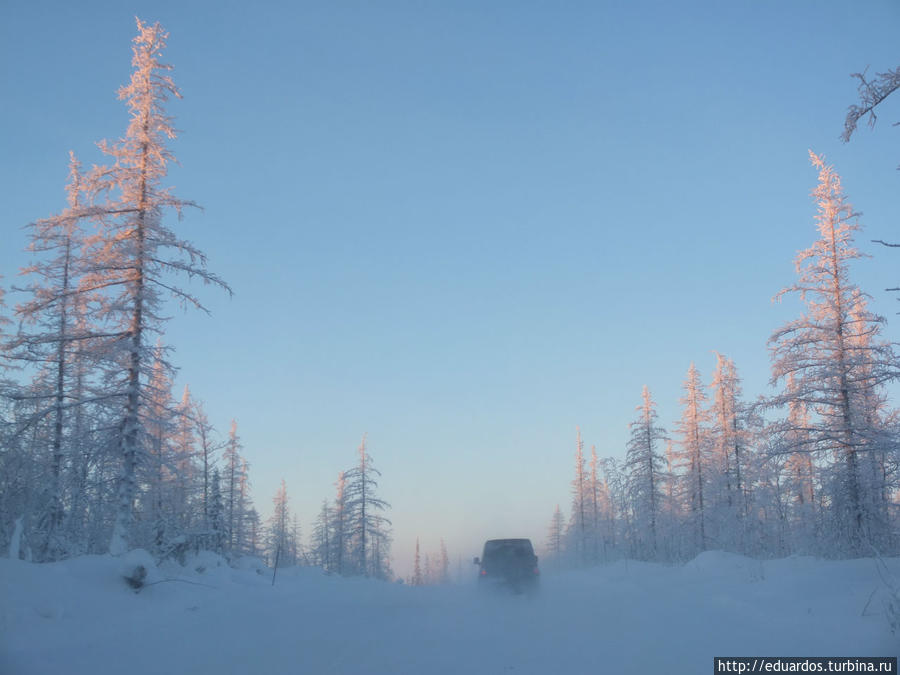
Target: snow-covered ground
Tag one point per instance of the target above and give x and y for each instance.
(79, 617)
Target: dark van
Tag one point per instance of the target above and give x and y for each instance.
(508, 562)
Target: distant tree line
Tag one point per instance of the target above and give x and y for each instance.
(434, 570)
(351, 535)
(813, 469)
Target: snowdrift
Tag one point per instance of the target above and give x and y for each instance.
(79, 617)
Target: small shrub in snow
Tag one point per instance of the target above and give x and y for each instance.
(137, 576)
(138, 568)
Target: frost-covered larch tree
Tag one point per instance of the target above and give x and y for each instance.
(577, 534)
(614, 505)
(880, 466)
(216, 515)
(159, 474)
(363, 510)
(692, 427)
(417, 579)
(671, 510)
(48, 343)
(380, 551)
(645, 464)
(243, 509)
(729, 450)
(295, 554)
(185, 459)
(233, 476)
(253, 533)
(321, 548)
(801, 472)
(207, 449)
(444, 565)
(838, 364)
(279, 525)
(593, 500)
(339, 526)
(554, 544)
(136, 255)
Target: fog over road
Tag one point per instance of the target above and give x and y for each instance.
(77, 617)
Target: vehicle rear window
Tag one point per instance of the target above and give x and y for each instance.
(499, 546)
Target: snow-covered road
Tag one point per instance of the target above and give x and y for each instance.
(77, 617)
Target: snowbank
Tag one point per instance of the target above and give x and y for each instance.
(79, 617)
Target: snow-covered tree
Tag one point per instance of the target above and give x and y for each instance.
(135, 254)
(613, 500)
(672, 511)
(279, 540)
(254, 543)
(96, 399)
(417, 578)
(159, 469)
(207, 449)
(595, 529)
(48, 345)
(243, 509)
(801, 474)
(364, 521)
(339, 527)
(295, 553)
(443, 565)
(554, 546)
(644, 465)
(321, 549)
(234, 465)
(577, 534)
(380, 551)
(217, 524)
(837, 364)
(729, 450)
(186, 507)
(694, 443)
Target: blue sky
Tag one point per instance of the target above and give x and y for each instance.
(466, 228)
